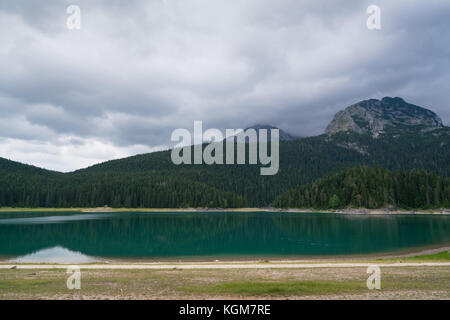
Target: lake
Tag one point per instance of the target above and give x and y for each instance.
(85, 237)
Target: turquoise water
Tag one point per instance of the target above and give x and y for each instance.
(85, 237)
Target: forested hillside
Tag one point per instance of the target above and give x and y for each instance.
(371, 187)
(388, 133)
(151, 180)
(303, 161)
(113, 189)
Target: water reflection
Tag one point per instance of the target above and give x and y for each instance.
(54, 255)
(53, 219)
(173, 235)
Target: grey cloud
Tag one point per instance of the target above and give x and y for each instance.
(138, 69)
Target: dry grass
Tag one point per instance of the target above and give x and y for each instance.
(320, 283)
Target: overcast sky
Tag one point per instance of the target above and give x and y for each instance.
(136, 70)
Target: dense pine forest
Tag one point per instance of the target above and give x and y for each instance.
(371, 187)
(151, 180)
(116, 190)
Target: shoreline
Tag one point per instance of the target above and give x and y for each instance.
(191, 266)
(348, 211)
(375, 258)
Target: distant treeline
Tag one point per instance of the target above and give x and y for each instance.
(115, 190)
(371, 187)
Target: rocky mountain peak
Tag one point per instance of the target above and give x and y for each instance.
(376, 116)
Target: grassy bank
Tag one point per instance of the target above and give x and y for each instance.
(418, 282)
(443, 256)
(320, 283)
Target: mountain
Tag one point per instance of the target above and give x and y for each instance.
(377, 116)
(152, 180)
(283, 135)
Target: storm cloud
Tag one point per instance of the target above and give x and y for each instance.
(136, 70)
